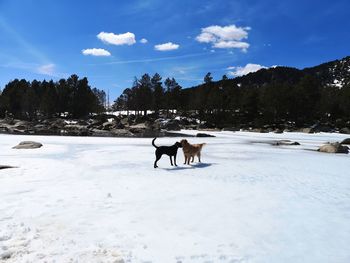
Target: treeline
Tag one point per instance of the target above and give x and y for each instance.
(150, 93)
(72, 97)
(270, 96)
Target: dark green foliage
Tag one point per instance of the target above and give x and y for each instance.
(149, 94)
(272, 96)
(30, 100)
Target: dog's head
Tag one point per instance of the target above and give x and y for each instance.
(178, 144)
(183, 142)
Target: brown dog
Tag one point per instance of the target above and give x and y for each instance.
(191, 150)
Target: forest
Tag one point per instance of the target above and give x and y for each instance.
(270, 96)
(71, 97)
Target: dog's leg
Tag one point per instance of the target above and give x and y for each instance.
(192, 159)
(171, 161)
(188, 160)
(199, 157)
(175, 160)
(185, 159)
(157, 159)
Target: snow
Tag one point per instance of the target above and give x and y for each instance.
(85, 199)
(338, 83)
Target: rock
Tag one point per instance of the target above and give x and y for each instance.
(138, 128)
(100, 133)
(122, 133)
(44, 129)
(55, 123)
(285, 142)
(204, 135)
(94, 123)
(345, 130)
(259, 130)
(28, 145)
(346, 141)
(6, 255)
(75, 130)
(126, 121)
(21, 125)
(278, 131)
(108, 125)
(306, 130)
(82, 123)
(143, 119)
(334, 148)
(171, 125)
(206, 125)
(148, 133)
(233, 129)
(6, 167)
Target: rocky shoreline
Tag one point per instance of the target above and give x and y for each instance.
(105, 125)
(108, 125)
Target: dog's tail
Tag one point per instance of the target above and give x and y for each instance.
(153, 142)
(201, 145)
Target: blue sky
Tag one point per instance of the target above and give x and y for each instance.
(51, 39)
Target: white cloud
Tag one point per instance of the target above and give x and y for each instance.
(240, 71)
(166, 46)
(225, 36)
(115, 39)
(144, 41)
(99, 52)
(47, 69)
(231, 44)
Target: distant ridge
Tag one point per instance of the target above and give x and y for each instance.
(334, 73)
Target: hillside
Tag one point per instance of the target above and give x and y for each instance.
(334, 73)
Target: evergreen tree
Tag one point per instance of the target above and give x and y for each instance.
(158, 92)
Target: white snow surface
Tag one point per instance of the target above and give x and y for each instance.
(85, 199)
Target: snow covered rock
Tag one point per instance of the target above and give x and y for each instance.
(334, 148)
(28, 145)
(204, 135)
(285, 142)
(346, 141)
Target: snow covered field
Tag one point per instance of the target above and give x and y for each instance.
(100, 200)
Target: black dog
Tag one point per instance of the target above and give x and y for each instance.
(168, 150)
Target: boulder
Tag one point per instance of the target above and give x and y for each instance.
(346, 141)
(171, 125)
(278, 131)
(6, 167)
(345, 130)
(42, 129)
(21, 125)
(206, 125)
(306, 130)
(28, 145)
(204, 135)
(100, 133)
(126, 121)
(108, 125)
(233, 129)
(285, 142)
(122, 133)
(334, 148)
(138, 128)
(259, 130)
(75, 130)
(94, 123)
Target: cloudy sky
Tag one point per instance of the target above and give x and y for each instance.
(112, 41)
